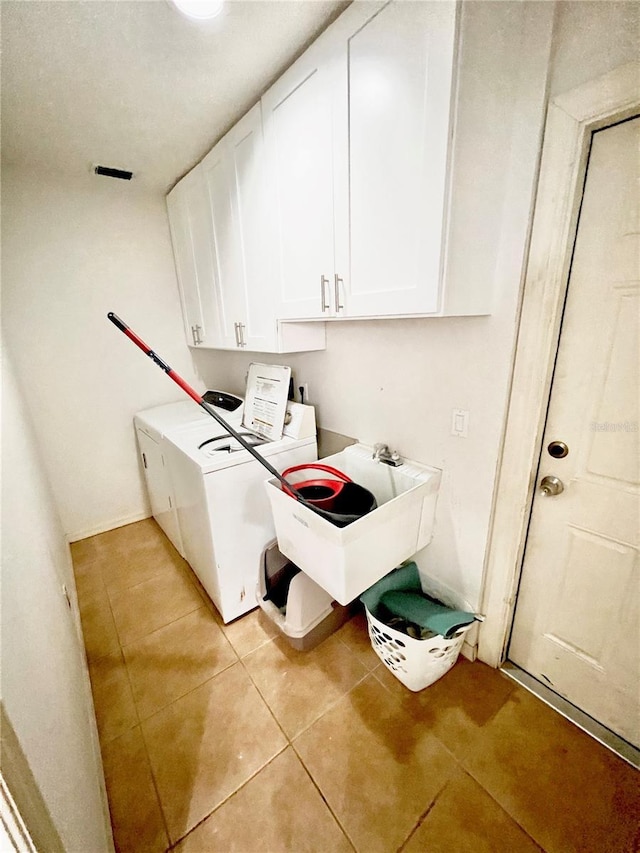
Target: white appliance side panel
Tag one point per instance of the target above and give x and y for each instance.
(193, 519)
(241, 525)
(159, 487)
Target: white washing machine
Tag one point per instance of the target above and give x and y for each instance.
(151, 426)
(222, 507)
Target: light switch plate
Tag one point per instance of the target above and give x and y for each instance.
(460, 423)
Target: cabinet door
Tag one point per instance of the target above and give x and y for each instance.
(400, 67)
(253, 234)
(298, 125)
(186, 208)
(229, 296)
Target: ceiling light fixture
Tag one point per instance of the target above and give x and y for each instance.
(199, 10)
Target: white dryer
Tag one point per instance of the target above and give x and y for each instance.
(222, 507)
(151, 426)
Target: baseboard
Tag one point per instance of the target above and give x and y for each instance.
(468, 651)
(110, 525)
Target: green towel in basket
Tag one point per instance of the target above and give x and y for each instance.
(405, 578)
(416, 607)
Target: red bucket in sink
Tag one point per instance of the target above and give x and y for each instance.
(319, 492)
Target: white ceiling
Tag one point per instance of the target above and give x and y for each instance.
(134, 85)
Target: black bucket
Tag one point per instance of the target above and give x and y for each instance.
(351, 503)
(317, 493)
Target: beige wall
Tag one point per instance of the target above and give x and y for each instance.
(591, 38)
(71, 252)
(45, 684)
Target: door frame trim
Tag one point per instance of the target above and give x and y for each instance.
(571, 119)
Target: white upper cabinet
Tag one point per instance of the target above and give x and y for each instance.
(298, 116)
(358, 134)
(340, 210)
(399, 67)
(253, 232)
(223, 247)
(188, 219)
(214, 172)
(234, 177)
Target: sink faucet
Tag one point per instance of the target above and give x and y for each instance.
(381, 453)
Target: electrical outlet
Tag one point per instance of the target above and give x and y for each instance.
(303, 392)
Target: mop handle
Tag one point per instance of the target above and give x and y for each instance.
(120, 324)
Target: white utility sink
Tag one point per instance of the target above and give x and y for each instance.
(347, 560)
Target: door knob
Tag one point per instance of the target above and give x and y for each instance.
(551, 486)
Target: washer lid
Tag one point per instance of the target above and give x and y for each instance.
(265, 404)
(159, 420)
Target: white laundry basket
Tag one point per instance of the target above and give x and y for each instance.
(416, 663)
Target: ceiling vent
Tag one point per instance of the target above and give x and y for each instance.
(108, 172)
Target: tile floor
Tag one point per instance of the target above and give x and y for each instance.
(223, 738)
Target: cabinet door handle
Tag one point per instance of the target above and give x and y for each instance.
(195, 334)
(239, 331)
(144, 460)
(323, 282)
(337, 281)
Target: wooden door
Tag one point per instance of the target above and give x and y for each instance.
(576, 625)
